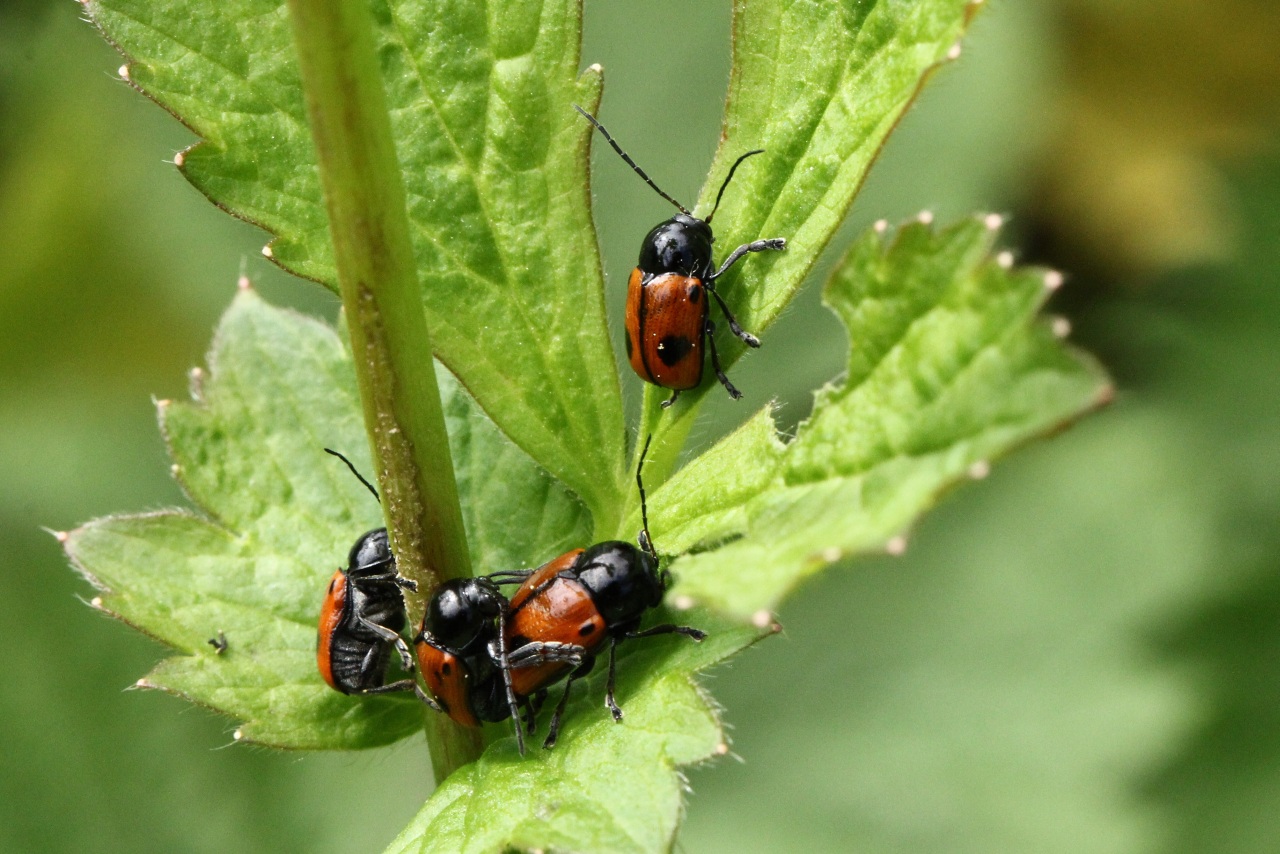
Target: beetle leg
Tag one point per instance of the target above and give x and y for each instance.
(715, 362)
(668, 629)
(510, 576)
(553, 731)
(747, 338)
(406, 657)
(666, 403)
(775, 243)
(608, 691)
(505, 664)
(405, 685)
(537, 653)
(757, 246)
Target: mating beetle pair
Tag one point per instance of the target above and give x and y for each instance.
(481, 655)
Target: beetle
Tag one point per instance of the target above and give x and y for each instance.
(362, 616)
(668, 319)
(590, 598)
(463, 656)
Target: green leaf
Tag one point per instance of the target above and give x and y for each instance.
(819, 87)
(606, 786)
(495, 170)
(948, 368)
(280, 516)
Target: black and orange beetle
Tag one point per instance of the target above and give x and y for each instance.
(588, 597)
(668, 319)
(463, 656)
(362, 616)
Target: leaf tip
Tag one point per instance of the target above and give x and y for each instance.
(979, 470)
(196, 383)
(1005, 260)
(266, 251)
(765, 621)
(1061, 327)
(1053, 280)
(243, 283)
(96, 602)
(238, 735)
(896, 546)
(881, 226)
(954, 53)
(925, 217)
(143, 684)
(993, 221)
(123, 72)
(60, 536)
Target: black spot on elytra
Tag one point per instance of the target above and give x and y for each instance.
(446, 669)
(695, 294)
(673, 349)
(332, 583)
(587, 629)
(517, 641)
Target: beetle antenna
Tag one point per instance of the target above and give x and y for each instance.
(367, 484)
(646, 541)
(729, 178)
(630, 162)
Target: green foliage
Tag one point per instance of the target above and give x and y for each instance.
(606, 786)
(494, 161)
(948, 368)
(818, 86)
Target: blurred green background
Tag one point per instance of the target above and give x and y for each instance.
(1079, 654)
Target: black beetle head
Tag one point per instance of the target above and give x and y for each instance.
(623, 580)
(461, 610)
(680, 245)
(371, 555)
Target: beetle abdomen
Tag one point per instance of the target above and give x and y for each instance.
(666, 317)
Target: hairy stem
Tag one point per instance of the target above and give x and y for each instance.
(369, 225)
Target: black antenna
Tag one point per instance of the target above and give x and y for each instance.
(367, 484)
(729, 178)
(646, 540)
(631, 162)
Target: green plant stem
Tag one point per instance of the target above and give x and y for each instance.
(369, 225)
